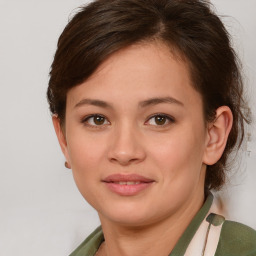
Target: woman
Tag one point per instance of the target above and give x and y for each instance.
(147, 105)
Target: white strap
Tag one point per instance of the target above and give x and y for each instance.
(212, 240)
(205, 241)
(196, 246)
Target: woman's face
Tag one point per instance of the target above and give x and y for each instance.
(136, 137)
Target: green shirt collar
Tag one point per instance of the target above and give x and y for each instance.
(90, 246)
(183, 243)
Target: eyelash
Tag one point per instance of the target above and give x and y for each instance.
(85, 121)
(168, 118)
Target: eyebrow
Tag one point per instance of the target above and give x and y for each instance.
(155, 101)
(94, 102)
(142, 104)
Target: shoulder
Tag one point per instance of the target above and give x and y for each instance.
(90, 245)
(236, 239)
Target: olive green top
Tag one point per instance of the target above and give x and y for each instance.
(235, 239)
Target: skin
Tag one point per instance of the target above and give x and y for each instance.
(129, 140)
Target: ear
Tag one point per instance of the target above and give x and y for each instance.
(61, 137)
(217, 135)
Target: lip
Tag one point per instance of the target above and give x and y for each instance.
(127, 184)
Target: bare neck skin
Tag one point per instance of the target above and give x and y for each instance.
(156, 239)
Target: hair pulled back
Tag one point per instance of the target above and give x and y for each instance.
(189, 27)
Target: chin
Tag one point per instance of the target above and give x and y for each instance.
(129, 215)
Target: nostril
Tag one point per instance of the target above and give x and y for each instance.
(126, 147)
(124, 160)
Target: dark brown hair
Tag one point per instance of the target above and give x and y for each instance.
(189, 27)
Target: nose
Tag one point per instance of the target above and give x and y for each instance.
(126, 146)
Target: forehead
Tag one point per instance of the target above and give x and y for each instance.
(137, 72)
(143, 56)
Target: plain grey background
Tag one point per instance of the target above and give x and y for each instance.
(41, 210)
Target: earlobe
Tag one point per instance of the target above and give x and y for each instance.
(60, 135)
(218, 132)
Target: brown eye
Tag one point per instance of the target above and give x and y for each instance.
(96, 120)
(160, 120)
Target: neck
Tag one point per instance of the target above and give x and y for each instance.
(158, 238)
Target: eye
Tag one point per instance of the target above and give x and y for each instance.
(95, 120)
(160, 120)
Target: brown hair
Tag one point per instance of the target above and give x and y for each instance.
(189, 27)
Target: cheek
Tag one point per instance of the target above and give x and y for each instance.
(86, 156)
(179, 152)
(84, 148)
(179, 162)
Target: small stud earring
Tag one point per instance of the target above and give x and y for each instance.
(67, 165)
